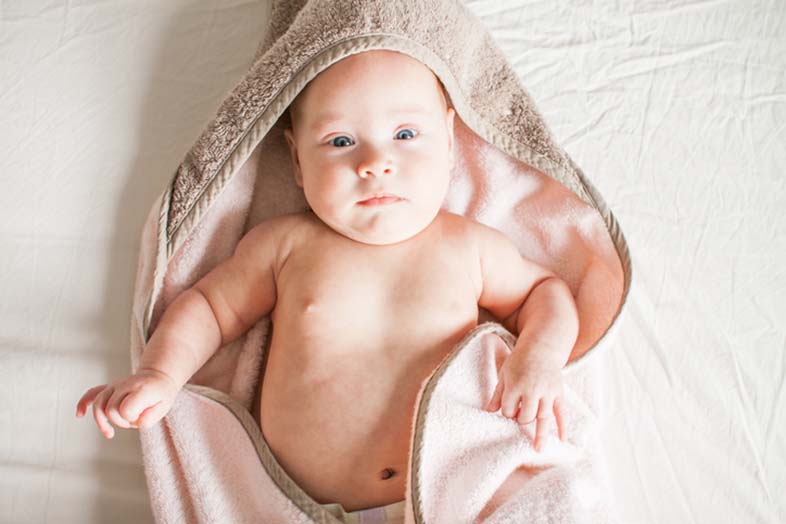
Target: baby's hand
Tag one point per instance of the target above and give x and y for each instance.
(138, 401)
(537, 383)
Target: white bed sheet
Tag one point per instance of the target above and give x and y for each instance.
(675, 109)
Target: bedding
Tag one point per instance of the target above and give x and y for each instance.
(676, 109)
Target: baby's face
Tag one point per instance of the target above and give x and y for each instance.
(374, 122)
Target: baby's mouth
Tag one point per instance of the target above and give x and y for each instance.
(379, 200)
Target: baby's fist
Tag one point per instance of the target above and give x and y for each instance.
(138, 401)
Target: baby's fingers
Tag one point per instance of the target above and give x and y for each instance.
(100, 416)
(136, 402)
(558, 416)
(510, 403)
(87, 399)
(152, 415)
(111, 409)
(529, 410)
(545, 414)
(494, 403)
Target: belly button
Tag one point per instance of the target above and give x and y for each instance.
(387, 473)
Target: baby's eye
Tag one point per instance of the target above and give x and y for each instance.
(339, 138)
(411, 131)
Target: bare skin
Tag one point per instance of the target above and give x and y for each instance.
(365, 301)
(350, 350)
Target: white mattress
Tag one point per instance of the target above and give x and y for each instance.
(675, 109)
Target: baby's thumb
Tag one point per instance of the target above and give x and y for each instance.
(137, 402)
(494, 404)
(152, 415)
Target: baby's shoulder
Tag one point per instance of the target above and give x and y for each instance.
(280, 224)
(454, 221)
(475, 230)
(480, 239)
(462, 227)
(279, 234)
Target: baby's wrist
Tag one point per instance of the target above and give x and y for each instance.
(542, 353)
(162, 374)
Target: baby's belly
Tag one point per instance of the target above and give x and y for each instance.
(338, 419)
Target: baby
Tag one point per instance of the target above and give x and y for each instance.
(367, 292)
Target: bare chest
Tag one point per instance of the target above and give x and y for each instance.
(374, 303)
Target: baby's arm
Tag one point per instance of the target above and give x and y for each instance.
(539, 307)
(219, 308)
(216, 310)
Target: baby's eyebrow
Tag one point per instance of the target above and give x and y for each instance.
(331, 118)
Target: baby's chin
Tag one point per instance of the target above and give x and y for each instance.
(382, 230)
(375, 238)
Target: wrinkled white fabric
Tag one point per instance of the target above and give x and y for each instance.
(676, 109)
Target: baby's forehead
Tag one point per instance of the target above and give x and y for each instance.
(417, 91)
(339, 86)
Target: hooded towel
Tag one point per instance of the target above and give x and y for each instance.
(207, 460)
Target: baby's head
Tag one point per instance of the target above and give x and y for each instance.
(374, 122)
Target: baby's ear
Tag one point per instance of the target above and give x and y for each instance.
(290, 138)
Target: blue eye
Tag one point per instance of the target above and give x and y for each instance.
(411, 131)
(338, 138)
(344, 141)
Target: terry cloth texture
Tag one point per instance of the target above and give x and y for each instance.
(207, 460)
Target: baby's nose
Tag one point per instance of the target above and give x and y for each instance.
(375, 162)
(366, 171)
